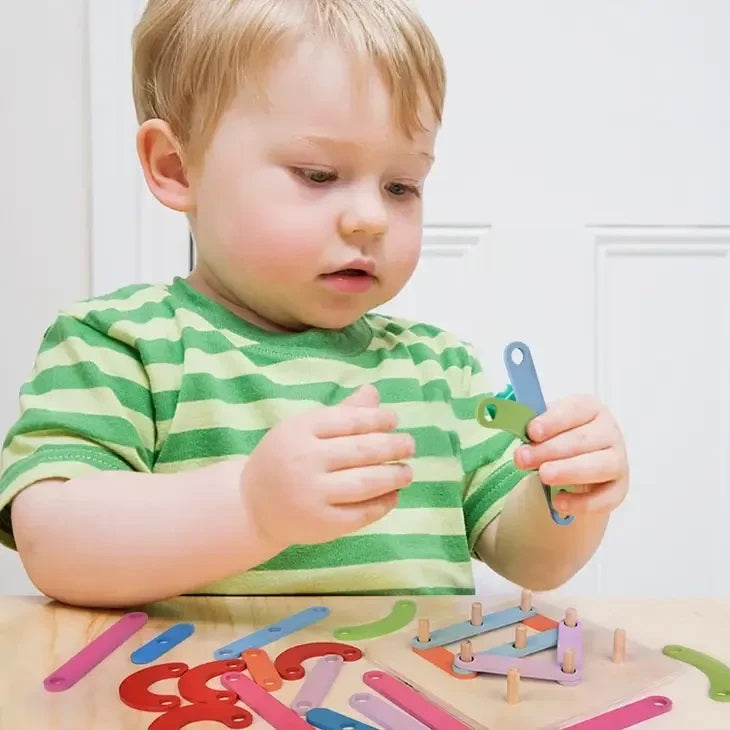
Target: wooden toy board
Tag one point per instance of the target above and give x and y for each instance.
(35, 647)
(481, 702)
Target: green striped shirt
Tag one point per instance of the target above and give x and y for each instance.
(160, 379)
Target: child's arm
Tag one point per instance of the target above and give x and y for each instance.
(125, 538)
(525, 546)
(120, 538)
(575, 442)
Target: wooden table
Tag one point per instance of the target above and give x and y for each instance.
(37, 636)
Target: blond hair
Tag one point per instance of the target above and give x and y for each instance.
(191, 57)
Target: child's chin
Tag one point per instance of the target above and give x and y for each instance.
(333, 320)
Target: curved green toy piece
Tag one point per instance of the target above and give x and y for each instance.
(506, 415)
(717, 672)
(401, 615)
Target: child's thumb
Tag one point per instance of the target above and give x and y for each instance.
(366, 395)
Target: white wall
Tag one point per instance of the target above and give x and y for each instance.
(44, 197)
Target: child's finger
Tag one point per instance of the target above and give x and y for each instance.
(594, 468)
(343, 420)
(364, 484)
(563, 415)
(599, 498)
(367, 449)
(582, 440)
(365, 395)
(353, 517)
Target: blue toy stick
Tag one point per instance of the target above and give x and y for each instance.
(526, 385)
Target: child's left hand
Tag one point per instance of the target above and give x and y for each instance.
(577, 442)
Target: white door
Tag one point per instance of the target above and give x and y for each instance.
(583, 186)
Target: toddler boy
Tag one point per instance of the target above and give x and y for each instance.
(256, 428)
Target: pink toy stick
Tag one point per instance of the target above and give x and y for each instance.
(528, 667)
(432, 716)
(570, 637)
(628, 715)
(94, 652)
(317, 684)
(278, 715)
(384, 713)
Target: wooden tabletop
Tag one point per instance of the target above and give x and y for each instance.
(38, 636)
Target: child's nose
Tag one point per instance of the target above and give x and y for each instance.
(365, 215)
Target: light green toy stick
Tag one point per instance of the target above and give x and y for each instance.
(512, 417)
(717, 672)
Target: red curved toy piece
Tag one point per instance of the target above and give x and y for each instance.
(289, 662)
(135, 689)
(193, 685)
(225, 713)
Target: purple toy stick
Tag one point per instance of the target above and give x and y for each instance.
(94, 652)
(569, 637)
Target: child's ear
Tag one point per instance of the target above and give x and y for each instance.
(163, 167)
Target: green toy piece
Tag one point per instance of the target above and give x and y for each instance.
(717, 672)
(506, 415)
(512, 417)
(401, 615)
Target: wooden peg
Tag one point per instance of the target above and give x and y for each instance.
(568, 665)
(424, 630)
(513, 687)
(465, 652)
(520, 636)
(476, 614)
(619, 646)
(571, 617)
(526, 601)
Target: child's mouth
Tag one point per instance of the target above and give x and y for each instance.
(350, 280)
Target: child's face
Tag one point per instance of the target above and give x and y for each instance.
(307, 209)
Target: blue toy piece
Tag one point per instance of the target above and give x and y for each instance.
(527, 391)
(273, 633)
(465, 630)
(535, 644)
(325, 719)
(161, 644)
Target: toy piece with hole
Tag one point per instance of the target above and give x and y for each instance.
(317, 684)
(532, 644)
(324, 719)
(262, 669)
(401, 615)
(263, 703)
(412, 702)
(193, 685)
(716, 672)
(567, 670)
(526, 385)
(442, 658)
(135, 692)
(289, 663)
(627, 716)
(161, 644)
(94, 652)
(226, 714)
(274, 632)
(383, 713)
(466, 629)
(528, 667)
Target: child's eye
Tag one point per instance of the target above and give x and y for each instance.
(318, 177)
(400, 190)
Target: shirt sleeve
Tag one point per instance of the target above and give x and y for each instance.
(487, 455)
(86, 407)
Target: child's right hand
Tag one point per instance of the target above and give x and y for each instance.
(327, 472)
